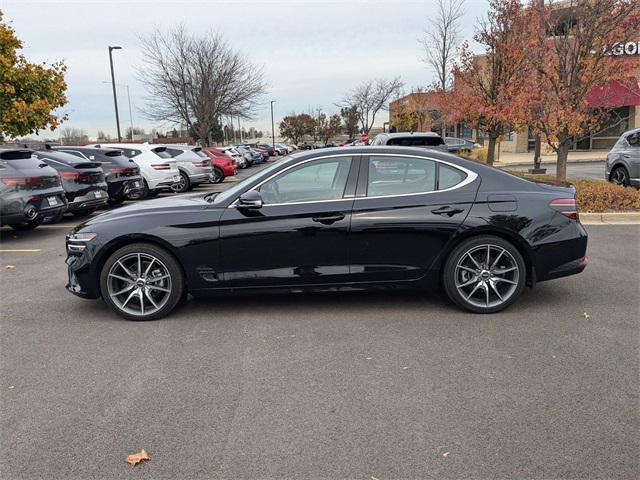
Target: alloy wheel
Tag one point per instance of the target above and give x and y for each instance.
(486, 275)
(181, 185)
(139, 284)
(619, 176)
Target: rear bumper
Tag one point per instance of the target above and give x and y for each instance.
(121, 187)
(14, 206)
(92, 199)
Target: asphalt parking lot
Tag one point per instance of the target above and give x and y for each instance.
(388, 386)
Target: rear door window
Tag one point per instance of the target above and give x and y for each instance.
(400, 176)
(449, 177)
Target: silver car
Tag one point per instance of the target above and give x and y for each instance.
(194, 166)
(623, 161)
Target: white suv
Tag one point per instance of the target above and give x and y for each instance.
(157, 168)
(193, 163)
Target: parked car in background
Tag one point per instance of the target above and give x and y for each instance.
(304, 146)
(318, 144)
(30, 190)
(121, 173)
(194, 166)
(287, 149)
(458, 145)
(429, 140)
(222, 165)
(159, 171)
(268, 148)
(330, 145)
(623, 161)
(83, 181)
(388, 217)
(237, 157)
(346, 143)
(250, 157)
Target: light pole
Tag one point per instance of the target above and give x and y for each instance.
(273, 128)
(113, 84)
(129, 100)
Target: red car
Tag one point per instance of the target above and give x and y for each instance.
(222, 165)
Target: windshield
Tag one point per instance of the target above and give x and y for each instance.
(238, 187)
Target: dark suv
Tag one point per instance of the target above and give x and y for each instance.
(412, 139)
(30, 190)
(121, 173)
(82, 180)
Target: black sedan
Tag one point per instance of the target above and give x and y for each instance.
(121, 173)
(364, 218)
(30, 190)
(83, 181)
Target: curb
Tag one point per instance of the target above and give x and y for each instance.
(610, 218)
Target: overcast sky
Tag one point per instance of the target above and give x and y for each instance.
(312, 51)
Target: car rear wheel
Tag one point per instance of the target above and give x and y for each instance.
(620, 176)
(484, 274)
(117, 200)
(218, 175)
(181, 185)
(142, 282)
(140, 194)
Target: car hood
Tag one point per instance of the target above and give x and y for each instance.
(184, 203)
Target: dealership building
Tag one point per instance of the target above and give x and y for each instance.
(621, 99)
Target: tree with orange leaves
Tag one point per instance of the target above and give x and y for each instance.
(569, 54)
(486, 85)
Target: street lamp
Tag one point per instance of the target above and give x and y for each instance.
(273, 129)
(129, 100)
(113, 84)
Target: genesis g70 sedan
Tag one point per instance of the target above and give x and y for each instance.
(332, 219)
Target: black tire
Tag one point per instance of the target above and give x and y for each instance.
(481, 280)
(142, 193)
(218, 175)
(83, 212)
(25, 226)
(184, 185)
(165, 260)
(55, 218)
(620, 176)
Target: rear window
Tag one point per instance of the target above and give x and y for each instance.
(15, 155)
(162, 152)
(416, 141)
(173, 152)
(634, 139)
(130, 153)
(200, 153)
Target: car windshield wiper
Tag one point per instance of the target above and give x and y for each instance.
(210, 196)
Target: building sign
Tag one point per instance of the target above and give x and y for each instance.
(628, 48)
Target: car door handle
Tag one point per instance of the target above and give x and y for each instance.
(328, 219)
(450, 211)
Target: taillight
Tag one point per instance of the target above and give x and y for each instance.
(123, 171)
(161, 166)
(23, 181)
(566, 206)
(71, 176)
(201, 163)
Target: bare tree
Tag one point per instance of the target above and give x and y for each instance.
(440, 41)
(73, 136)
(370, 97)
(194, 81)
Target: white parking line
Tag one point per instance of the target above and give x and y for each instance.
(20, 250)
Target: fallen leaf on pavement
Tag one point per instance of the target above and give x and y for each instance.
(11, 387)
(405, 368)
(368, 358)
(586, 316)
(10, 267)
(137, 457)
(445, 454)
(374, 478)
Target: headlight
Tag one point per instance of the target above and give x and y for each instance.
(77, 242)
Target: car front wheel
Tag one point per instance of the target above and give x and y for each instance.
(484, 274)
(142, 282)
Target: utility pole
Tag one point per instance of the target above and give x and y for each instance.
(273, 128)
(113, 84)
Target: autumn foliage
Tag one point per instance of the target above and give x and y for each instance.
(29, 92)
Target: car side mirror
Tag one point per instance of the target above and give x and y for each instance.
(251, 200)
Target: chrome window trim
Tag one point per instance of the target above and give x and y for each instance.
(471, 177)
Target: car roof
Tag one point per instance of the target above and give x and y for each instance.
(410, 134)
